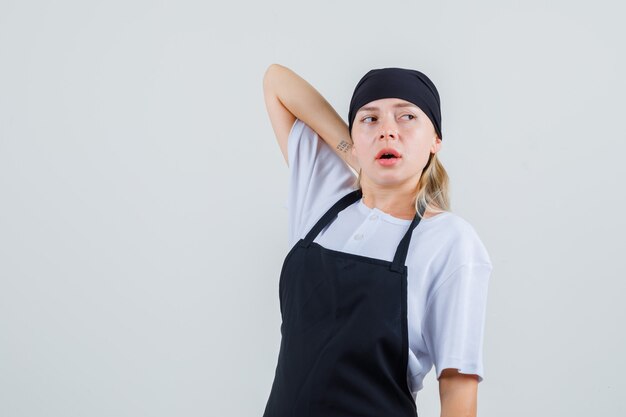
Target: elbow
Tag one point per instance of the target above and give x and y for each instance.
(269, 74)
(274, 67)
(274, 71)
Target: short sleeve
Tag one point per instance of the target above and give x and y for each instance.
(318, 177)
(454, 321)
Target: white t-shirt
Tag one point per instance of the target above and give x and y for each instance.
(448, 266)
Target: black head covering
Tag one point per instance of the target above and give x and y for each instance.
(407, 84)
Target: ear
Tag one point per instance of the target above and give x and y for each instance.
(436, 145)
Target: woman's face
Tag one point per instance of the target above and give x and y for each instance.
(395, 124)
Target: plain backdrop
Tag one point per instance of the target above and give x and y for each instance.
(142, 192)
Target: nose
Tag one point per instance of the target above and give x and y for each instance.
(388, 129)
(388, 134)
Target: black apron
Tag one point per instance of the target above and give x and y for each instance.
(344, 344)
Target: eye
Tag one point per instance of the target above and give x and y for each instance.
(413, 117)
(368, 117)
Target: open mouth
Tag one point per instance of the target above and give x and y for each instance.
(388, 153)
(388, 157)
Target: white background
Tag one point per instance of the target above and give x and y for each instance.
(142, 227)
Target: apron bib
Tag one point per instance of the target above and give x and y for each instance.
(344, 335)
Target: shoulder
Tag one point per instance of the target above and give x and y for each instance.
(301, 139)
(457, 240)
(300, 130)
(299, 127)
(318, 177)
(456, 261)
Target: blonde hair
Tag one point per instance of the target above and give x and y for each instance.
(432, 187)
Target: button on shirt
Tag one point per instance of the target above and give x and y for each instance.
(448, 265)
(366, 229)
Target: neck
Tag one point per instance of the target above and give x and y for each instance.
(398, 201)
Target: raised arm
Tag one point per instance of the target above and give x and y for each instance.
(288, 96)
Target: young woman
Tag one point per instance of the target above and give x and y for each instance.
(382, 280)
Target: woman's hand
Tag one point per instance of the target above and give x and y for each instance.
(458, 393)
(288, 96)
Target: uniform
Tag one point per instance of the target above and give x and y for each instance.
(435, 311)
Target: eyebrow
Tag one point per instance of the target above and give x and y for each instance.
(369, 108)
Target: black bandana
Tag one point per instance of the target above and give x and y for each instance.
(407, 84)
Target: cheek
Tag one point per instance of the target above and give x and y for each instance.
(362, 151)
(357, 146)
(417, 151)
(420, 156)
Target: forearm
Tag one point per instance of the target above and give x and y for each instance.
(308, 105)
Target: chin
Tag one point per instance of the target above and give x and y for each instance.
(389, 179)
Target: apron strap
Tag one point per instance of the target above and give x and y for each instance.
(330, 215)
(399, 259)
